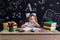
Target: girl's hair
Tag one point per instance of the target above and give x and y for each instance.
(27, 19)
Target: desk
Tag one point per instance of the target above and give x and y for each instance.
(29, 36)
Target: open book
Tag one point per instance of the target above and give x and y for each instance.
(27, 28)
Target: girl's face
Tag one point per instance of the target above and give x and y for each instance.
(31, 19)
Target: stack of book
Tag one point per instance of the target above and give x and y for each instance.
(50, 25)
(14, 26)
(6, 25)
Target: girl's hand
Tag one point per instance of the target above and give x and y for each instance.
(36, 23)
(33, 21)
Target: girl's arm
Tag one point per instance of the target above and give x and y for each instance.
(23, 26)
(37, 24)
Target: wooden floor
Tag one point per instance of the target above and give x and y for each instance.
(29, 36)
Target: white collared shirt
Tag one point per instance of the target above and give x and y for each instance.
(30, 24)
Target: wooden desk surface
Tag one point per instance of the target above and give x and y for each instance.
(30, 33)
(29, 36)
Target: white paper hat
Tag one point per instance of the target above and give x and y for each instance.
(27, 14)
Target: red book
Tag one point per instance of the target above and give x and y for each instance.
(47, 25)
